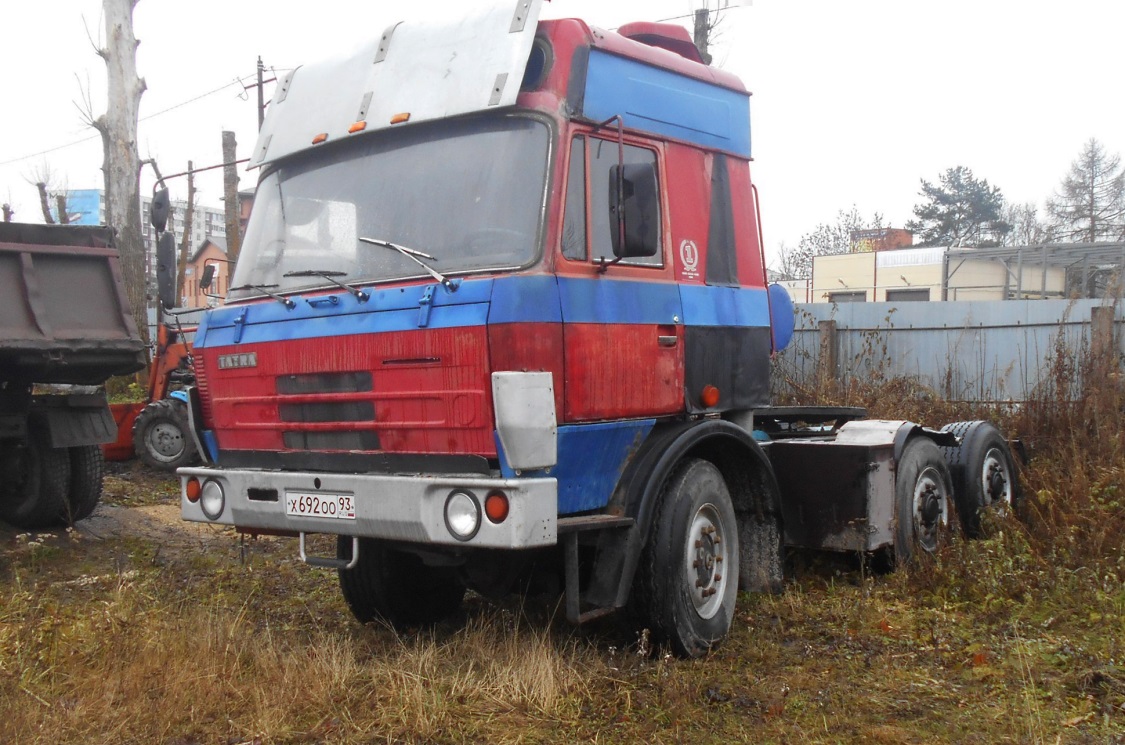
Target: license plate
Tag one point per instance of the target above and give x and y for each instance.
(301, 504)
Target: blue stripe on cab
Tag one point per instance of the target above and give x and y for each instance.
(618, 301)
(591, 459)
(655, 100)
(724, 306)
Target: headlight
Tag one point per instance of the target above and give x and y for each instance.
(462, 515)
(211, 499)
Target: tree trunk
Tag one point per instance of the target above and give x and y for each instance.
(185, 241)
(8, 212)
(44, 203)
(230, 198)
(60, 206)
(122, 165)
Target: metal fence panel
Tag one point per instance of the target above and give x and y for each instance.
(976, 351)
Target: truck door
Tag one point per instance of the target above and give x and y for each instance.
(622, 330)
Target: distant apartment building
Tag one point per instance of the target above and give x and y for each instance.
(87, 207)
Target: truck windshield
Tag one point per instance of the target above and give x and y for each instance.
(468, 192)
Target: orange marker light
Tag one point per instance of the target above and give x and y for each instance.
(192, 489)
(357, 127)
(496, 506)
(400, 118)
(710, 396)
(320, 138)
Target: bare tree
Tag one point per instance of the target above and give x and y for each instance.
(122, 164)
(185, 241)
(1090, 203)
(827, 239)
(1027, 228)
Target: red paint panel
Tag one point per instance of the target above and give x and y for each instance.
(430, 389)
(622, 371)
(751, 261)
(689, 204)
(529, 347)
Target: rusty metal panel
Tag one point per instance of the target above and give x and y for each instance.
(845, 503)
(63, 314)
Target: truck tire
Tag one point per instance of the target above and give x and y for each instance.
(161, 437)
(36, 480)
(687, 581)
(396, 587)
(87, 467)
(983, 471)
(923, 491)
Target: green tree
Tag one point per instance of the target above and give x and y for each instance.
(1090, 203)
(960, 211)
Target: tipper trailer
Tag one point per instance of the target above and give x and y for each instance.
(501, 313)
(65, 328)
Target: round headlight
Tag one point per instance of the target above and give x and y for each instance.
(211, 499)
(462, 515)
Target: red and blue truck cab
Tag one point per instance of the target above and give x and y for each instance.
(501, 313)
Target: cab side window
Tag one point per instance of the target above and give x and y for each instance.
(597, 156)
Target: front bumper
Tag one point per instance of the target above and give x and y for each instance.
(400, 508)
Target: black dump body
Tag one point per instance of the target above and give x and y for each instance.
(64, 316)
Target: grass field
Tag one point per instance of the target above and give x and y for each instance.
(137, 629)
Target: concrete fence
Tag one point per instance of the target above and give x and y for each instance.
(976, 351)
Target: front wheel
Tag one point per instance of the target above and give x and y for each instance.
(395, 586)
(687, 582)
(161, 437)
(922, 501)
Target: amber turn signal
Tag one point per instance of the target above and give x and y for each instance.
(357, 127)
(192, 489)
(320, 138)
(496, 506)
(400, 118)
(710, 396)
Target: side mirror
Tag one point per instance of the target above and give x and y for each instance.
(638, 208)
(166, 270)
(207, 277)
(158, 213)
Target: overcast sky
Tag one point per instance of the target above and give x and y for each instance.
(853, 102)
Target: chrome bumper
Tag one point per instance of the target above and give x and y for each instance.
(401, 508)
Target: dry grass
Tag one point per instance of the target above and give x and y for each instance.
(1018, 638)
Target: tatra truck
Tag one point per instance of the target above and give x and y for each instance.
(501, 316)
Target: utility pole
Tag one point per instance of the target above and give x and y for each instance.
(703, 32)
(185, 242)
(261, 94)
(261, 86)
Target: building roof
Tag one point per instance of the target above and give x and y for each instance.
(219, 243)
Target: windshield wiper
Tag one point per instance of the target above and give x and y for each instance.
(360, 295)
(416, 256)
(262, 289)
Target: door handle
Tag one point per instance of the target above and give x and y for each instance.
(666, 341)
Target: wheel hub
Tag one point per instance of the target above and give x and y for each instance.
(166, 440)
(929, 509)
(706, 559)
(995, 481)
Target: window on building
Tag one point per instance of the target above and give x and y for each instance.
(914, 294)
(852, 296)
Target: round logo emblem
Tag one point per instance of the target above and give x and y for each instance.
(689, 257)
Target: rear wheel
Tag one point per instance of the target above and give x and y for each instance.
(36, 480)
(687, 582)
(396, 586)
(922, 501)
(87, 466)
(161, 436)
(983, 472)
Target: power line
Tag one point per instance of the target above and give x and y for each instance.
(237, 81)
